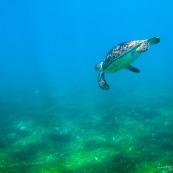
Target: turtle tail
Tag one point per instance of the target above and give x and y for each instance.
(102, 82)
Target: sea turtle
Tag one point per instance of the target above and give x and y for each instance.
(121, 56)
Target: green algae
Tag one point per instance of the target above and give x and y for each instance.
(121, 139)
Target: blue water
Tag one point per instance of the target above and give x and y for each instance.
(54, 116)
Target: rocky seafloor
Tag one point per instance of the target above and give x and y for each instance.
(89, 136)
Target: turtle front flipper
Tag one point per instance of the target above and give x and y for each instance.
(102, 81)
(133, 69)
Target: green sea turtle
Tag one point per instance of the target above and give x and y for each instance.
(121, 56)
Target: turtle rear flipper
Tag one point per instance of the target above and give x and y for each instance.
(133, 69)
(102, 81)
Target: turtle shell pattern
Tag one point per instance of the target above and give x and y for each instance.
(119, 50)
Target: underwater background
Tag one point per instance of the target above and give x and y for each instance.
(54, 117)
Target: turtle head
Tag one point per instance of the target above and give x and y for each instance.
(98, 67)
(153, 40)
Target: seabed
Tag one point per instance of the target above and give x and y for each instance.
(89, 137)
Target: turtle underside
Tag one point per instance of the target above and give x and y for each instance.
(121, 56)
